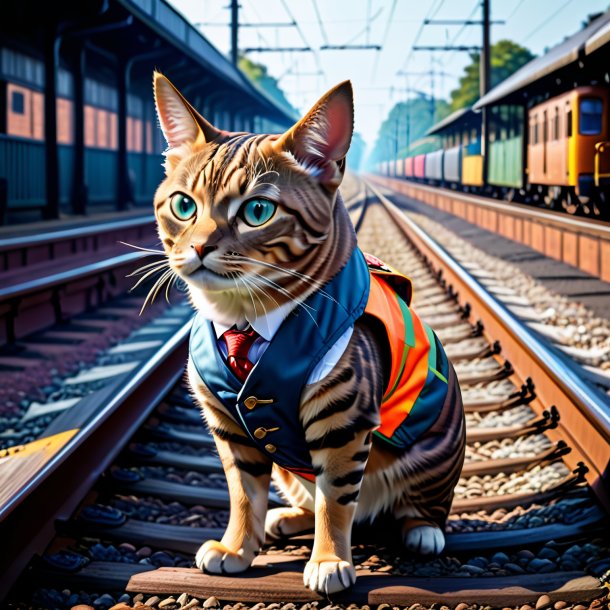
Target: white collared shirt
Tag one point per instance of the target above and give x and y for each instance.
(266, 326)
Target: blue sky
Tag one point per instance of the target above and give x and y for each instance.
(394, 24)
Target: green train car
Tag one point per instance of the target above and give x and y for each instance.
(505, 148)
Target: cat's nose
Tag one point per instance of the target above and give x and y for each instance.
(202, 250)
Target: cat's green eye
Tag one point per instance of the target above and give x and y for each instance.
(257, 212)
(183, 207)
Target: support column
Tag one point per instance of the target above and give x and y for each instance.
(51, 62)
(235, 120)
(234, 31)
(124, 190)
(485, 84)
(80, 194)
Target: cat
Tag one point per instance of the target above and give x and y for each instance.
(256, 228)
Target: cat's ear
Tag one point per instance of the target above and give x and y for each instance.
(182, 126)
(321, 139)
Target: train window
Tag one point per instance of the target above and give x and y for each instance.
(18, 102)
(545, 127)
(590, 116)
(556, 124)
(569, 123)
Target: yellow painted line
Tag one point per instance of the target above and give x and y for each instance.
(19, 464)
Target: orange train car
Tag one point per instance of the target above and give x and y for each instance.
(564, 132)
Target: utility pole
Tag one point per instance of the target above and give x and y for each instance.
(485, 63)
(485, 83)
(234, 31)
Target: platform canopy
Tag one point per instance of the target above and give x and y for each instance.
(168, 23)
(449, 120)
(570, 51)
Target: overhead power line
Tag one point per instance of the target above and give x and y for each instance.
(280, 24)
(434, 9)
(447, 48)
(300, 31)
(277, 49)
(459, 32)
(320, 22)
(383, 39)
(517, 7)
(547, 20)
(351, 47)
(460, 22)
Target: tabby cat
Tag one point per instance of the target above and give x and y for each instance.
(255, 226)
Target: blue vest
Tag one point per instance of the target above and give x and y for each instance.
(267, 404)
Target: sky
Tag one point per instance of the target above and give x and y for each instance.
(395, 25)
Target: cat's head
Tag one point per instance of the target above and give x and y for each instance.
(251, 222)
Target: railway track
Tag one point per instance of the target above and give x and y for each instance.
(49, 277)
(528, 526)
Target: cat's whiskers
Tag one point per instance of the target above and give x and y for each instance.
(253, 276)
(252, 281)
(255, 290)
(236, 257)
(302, 276)
(241, 279)
(168, 275)
(169, 286)
(143, 268)
(149, 250)
(282, 290)
(147, 275)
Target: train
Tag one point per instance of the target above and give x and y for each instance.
(541, 137)
(561, 160)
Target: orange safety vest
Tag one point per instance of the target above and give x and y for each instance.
(417, 357)
(417, 386)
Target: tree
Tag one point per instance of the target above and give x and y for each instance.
(356, 150)
(506, 58)
(407, 123)
(259, 77)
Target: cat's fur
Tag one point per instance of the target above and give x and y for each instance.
(311, 237)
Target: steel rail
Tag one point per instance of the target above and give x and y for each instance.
(70, 275)
(27, 518)
(563, 384)
(28, 240)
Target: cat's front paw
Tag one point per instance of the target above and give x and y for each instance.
(425, 540)
(215, 558)
(329, 576)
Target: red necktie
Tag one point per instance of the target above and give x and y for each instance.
(238, 345)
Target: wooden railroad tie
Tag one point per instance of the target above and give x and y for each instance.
(280, 578)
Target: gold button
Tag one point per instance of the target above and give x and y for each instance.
(260, 433)
(252, 401)
(270, 448)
